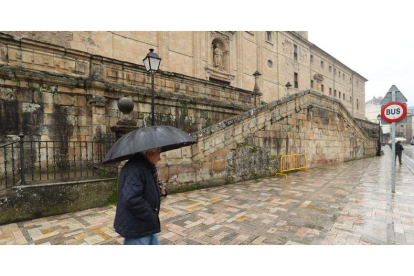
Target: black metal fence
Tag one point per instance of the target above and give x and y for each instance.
(29, 161)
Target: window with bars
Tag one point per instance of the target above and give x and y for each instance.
(295, 52)
(296, 82)
(311, 83)
(330, 91)
(335, 93)
(343, 95)
(322, 88)
(311, 58)
(339, 94)
(269, 36)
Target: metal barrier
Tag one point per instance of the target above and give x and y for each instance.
(293, 162)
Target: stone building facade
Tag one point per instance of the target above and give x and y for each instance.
(257, 60)
(227, 88)
(59, 86)
(49, 91)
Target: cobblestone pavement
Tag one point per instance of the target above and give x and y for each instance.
(347, 203)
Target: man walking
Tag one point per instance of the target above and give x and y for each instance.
(138, 206)
(398, 151)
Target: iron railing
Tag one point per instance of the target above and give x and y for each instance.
(29, 161)
(181, 121)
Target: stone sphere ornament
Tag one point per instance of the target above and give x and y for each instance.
(125, 105)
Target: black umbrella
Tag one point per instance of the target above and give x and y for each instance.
(164, 137)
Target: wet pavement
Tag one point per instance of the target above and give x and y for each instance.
(347, 203)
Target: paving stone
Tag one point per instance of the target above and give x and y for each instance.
(348, 203)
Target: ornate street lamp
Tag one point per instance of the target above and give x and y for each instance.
(379, 135)
(152, 63)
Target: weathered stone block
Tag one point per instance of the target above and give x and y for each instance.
(63, 99)
(186, 152)
(186, 177)
(80, 101)
(223, 152)
(98, 119)
(84, 121)
(219, 165)
(27, 57)
(174, 154)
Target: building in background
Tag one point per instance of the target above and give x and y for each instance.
(264, 61)
(409, 135)
(373, 109)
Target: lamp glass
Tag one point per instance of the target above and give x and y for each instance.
(147, 64)
(155, 63)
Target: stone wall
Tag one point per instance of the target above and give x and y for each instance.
(371, 129)
(35, 201)
(244, 52)
(50, 92)
(249, 145)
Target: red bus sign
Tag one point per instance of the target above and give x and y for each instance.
(394, 112)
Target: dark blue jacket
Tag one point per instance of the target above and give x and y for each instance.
(138, 203)
(398, 148)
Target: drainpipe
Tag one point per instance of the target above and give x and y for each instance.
(334, 70)
(277, 61)
(310, 66)
(352, 102)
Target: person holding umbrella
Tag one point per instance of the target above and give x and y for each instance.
(138, 204)
(398, 151)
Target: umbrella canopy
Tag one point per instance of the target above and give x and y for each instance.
(164, 137)
(398, 139)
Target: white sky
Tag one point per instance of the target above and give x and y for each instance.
(383, 57)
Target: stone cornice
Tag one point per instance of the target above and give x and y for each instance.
(94, 60)
(9, 72)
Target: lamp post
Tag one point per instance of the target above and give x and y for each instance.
(379, 135)
(152, 63)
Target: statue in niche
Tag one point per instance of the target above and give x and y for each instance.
(217, 56)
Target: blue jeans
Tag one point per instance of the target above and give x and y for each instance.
(148, 240)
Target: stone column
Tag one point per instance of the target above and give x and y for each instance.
(97, 104)
(256, 75)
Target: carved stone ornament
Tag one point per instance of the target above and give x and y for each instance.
(226, 36)
(96, 100)
(125, 105)
(318, 77)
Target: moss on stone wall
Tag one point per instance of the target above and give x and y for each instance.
(34, 201)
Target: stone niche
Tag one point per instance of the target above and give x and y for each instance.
(219, 65)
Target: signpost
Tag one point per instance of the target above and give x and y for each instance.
(393, 110)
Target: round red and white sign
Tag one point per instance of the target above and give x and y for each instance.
(394, 111)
